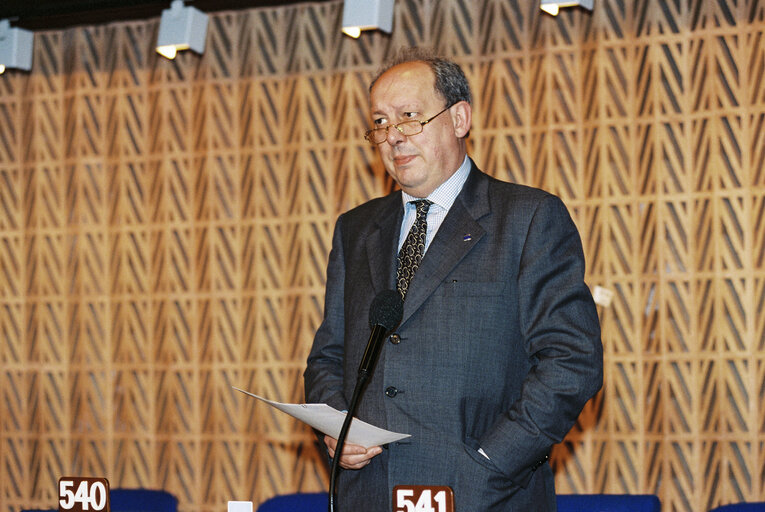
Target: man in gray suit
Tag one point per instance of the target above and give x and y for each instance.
(499, 347)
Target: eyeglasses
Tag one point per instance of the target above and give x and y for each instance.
(407, 128)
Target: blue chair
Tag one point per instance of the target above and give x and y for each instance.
(298, 502)
(741, 507)
(608, 503)
(142, 500)
(136, 500)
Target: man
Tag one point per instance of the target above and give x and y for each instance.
(499, 347)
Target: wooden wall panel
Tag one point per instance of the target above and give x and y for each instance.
(165, 226)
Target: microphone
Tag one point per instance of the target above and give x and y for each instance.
(385, 314)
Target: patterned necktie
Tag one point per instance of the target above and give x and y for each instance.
(410, 255)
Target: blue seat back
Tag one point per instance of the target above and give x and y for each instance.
(608, 503)
(298, 502)
(142, 500)
(135, 500)
(741, 507)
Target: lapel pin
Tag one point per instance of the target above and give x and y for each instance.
(467, 238)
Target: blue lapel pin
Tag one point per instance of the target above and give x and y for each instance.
(467, 238)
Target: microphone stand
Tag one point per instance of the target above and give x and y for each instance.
(357, 391)
(384, 314)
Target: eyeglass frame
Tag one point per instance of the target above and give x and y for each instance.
(368, 133)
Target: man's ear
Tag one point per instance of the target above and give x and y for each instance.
(462, 117)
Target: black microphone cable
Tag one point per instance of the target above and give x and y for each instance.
(385, 314)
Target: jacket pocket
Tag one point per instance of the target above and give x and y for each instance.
(471, 449)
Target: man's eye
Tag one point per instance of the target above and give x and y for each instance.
(378, 122)
(410, 115)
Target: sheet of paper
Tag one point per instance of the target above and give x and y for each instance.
(329, 421)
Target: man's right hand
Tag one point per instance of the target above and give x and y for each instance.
(354, 456)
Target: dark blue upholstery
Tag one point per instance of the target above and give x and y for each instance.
(608, 503)
(136, 500)
(317, 502)
(741, 507)
(298, 502)
(142, 500)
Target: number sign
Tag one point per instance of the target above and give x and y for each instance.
(423, 498)
(80, 494)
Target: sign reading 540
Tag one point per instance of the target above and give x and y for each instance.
(80, 494)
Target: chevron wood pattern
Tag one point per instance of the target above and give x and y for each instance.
(165, 226)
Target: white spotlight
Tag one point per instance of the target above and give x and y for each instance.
(361, 15)
(181, 28)
(16, 46)
(553, 6)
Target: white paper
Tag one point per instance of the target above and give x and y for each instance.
(329, 421)
(239, 506)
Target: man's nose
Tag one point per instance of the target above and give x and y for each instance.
(395, 136)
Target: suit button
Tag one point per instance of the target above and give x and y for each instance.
(390, 392)
(395, 338)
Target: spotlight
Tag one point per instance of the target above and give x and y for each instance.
(181, 28)
(361, 15)
(15, 47)
(553, 6)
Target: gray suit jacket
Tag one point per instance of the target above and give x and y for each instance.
(499, 347)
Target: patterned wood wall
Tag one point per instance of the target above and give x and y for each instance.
(164, 229)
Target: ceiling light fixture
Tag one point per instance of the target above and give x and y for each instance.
(16, 45)
(553, 6)
(181, 28)
(361, 15)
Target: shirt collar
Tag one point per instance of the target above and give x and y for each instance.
(447, 192)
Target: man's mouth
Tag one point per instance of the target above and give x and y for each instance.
(403, 159)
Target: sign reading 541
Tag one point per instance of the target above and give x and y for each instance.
(80, 494)
(423, 498)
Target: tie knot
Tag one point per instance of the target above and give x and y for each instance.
(422, 206)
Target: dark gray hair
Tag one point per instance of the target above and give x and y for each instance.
(451, 82)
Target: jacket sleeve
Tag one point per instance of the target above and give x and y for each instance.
(324, 371)
(561, 332)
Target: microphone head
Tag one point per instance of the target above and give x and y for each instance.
(386, 310)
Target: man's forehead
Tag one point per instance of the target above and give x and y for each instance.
(416, 71)
(406, 86)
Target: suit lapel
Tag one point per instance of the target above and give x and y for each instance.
(456, 237)
(382, 243)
